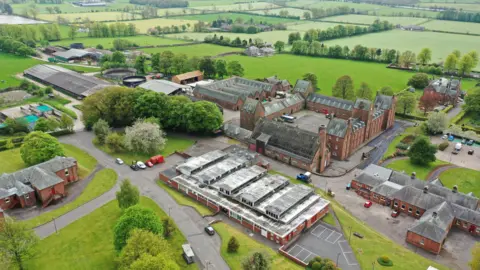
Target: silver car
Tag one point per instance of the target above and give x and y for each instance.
(141, 165)
(119, 161)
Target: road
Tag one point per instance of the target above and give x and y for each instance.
(189, 222)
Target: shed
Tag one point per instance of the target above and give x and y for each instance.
(189, 77)
(163, 86)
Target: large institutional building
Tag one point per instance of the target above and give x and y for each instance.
(233, 182)
(443, 90)
(436, 208)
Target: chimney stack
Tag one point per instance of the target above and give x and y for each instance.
(414, 175)
(425, 190)
(455, 189)
(434, 214)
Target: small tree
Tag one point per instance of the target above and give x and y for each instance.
(17, 242)
(387, 91)
(101, 130)
(424, 56)
(450, 63)
(465, 65)
(42, 124)
(38, 147)
(115, 142)
(419, 81)
(221, 68)
(406, 103)
(343, 88)
(207, 66)
(235, 69)
(279, 45)
(66, 122)
(422, 152)
(407, 58)
(140, 65)
(312, 78)
(168, 227)
(428, 101)
(472, 101)
(364, 91)
(128, 195)
(144, 137)
(437, 122)
(256, 261)
(9, 144)
(233, 245)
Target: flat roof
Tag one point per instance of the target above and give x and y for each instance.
(213, 173)
(378, 171)
(240, 178)
(287, 199)
(196, 163)
(262, 188)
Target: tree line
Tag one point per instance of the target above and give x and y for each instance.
(13, 46)
(318, 13)
(29, 34)
(459, 15)
(237, 42)
(174, 29)
(99, 29)
(161, 3)
(6, 8)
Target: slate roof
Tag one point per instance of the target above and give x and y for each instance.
(337, 127)
(466, 214)
(445, 86)
(301, 86)
(275, 80)
(387, 189)
(250, 105)
(292, 140)
(273, 107)
(381, 172)
(369, 179)
(383, 102)
(162, 86)
(234, 87)
(434, 223)
(357, 124)
(331, 101)
(217, 94)
(362, 104)
(71, 54)
(417, 197)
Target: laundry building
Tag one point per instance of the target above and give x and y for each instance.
(232, 182)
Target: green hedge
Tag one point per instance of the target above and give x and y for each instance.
(409, 116)
(458, 117)
(385, 261)
(447, 109)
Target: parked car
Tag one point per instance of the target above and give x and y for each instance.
(305, 177)
(455, 152)
(444, 137)
(149, 164)
(395, 213)
(119, 161)
(451, 138)
(209, 230)
(157, 159)
(134, 167)
(141, 165)
(349, 185)
(464, 141)
(367, 204)
(470, 152)
(470, 142)
(188, 254)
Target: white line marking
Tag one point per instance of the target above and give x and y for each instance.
(343, 252)
(324, 231)
(333, 242)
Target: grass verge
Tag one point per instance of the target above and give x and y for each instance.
(185, 200)
(329, 219)
(88, 242)
(422, 171)
(467, 180)
(392, 147)
(103, 181)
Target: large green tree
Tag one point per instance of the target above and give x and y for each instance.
(144, 137)
(207, 66)
(128, 195)
(256, 261)
(422, 151)
(175, 118)
(221, 68)
(234, 68)
(450, 63)
(407, 58)
(38, 147)
(166, 62)
(364, 91)
(17, 243)
(474, 55)
(419, 81)
(42, 124)
(280, 45)
(140, 64)
(465, 65)
(472, 101)
(151, 104)
(135, 217)
(437, 122)
(312, 78)
(424, 56)
(203, 117)
(180, 63)
(343, 88)
(387, 91)
(406, 103)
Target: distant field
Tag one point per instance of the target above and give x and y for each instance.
(67, 7)
(452, 26)
(270, 36)
(199, 50)
(450, 1)
(291, 11)
(11, 65)
(233, 16)
(174, 11)
(144, 25)
(199, 3)
(217, 6)
(366, 19)
(311, 25)
(466, 7)
(404, 11)
(108, 42)
(441, 44)
(356, 6)
(95, 16)
(301, 3)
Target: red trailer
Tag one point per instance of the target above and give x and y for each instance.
(157, 159)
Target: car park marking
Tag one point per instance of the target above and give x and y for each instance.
(345, 252)
(336, 236)
(302, 249)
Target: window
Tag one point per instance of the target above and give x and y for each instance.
(235, 215)
(27, 196)
(7, 200)
(334, 154)
(422, 242)
(417, 213)
(403, 206)
(375, 196)
(458, 223)
(336, 147)
(465, 225)
(67, 172)
(395, 204)
(409, 210)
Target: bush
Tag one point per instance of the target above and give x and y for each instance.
(233, 245)
(402, 146)
(419, 81)
(385, 261)
(443, 146)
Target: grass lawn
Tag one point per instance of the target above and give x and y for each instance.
(173, 144)
(199, 50)
(452, 26)
(11, 161)
(185, 200)
(12, 65)
(103, 181)
(467, 180)
(333, 4)
(291, 12)
(408, 167)
(441, 44)
(392, 146)
(391, 11)
(246, 17)
(328, 218)
(247, 246)
(67, 7)
(88, 242)
(86, 162)
(80, 69)
(95, 16)
(307, 25)
(269, 36)
(292, 67)
(144, 25)
(200, 3)
(366, 19)
(108, 42)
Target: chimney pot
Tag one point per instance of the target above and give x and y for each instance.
(434, 214)
(413, 175)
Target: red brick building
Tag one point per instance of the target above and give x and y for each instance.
(265, 204)
(45, 182)
(443, 90)
(283, 85)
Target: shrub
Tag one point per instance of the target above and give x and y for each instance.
(402, 146)
(233, 245)
(385, 261)
(442, 146)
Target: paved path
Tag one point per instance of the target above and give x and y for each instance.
(436, 172)
(189, 222)
(454, 111)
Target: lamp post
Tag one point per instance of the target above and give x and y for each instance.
(55, 225)
(169, 208)
(338, 255)
(350, 234)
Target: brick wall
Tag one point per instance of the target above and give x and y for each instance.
(423, 243)
(9, 202)
(69, 175)
(466, 227)
(407, 208)
(337, 147)
(45, 194)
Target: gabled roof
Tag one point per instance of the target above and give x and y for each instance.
(434, 223)
(189, 75)
(386, 189)
(466, 214)
(273, 107)
(362, 104)
(72, 53)
(337, 127)
(218, 94)
(162, 86)
(381, 172)
(383, 102)
(417, 197)
(301, 86)
(331, 101)
(369, 179)
(275, 80)
(250, 105)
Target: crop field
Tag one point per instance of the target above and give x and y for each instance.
(95, 16)
(356, 6)
(305, 26)
(466, 7)
(452, 26)
(405, 11)
(67, 7)
(144, 25)
(175, 11)
(269, 36)
(293, 67)
(236, 7)
(199, 50)
(366, 19)
(441, 44)
(291, 11)
(200, 3)
(108, 42)
(233, 16)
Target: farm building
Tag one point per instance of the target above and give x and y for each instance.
(66, 80)
(259, 52)
(73, 55)
(285, 85)
(230, 181)
(162, 86)
(436, 208)
(231, 93)
(443, 90)
(45, 181)
(189, 77)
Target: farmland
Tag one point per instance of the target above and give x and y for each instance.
(404, 11)
(311, 25)
(67, 7)
(195, 50)
(452, 26)
(144, 25)
(291, 11)
(233, 16)
(465, 7)
(200, 3)
(108, 42)
(366, 19)
(331, 4)
(96, 16)
(441, 44)
(270, 36)
(236, 7)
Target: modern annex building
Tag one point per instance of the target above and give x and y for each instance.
(436, 208)
(230, 181)
(66, 80)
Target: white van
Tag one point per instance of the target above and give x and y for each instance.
(188, 254)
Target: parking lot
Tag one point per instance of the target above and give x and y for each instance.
(462, 159)
(326, 242)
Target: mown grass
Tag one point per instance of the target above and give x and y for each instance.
(11, 65)
(452, 26)
(467, 180)
(185, 200)
(88, 242)
(102, 182)
(408, 167)
(366, 19)
(245, 17)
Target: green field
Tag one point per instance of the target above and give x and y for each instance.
(305, 26)
(467, 180)
(333, 4)
(88, 242)
(466, 7)
(366, 19)
(234, 16)
(108, 42)
(95, 16)
(291, 12)
(390, 11)
(175, 11)
(293, 67)
(452, 26)
(143, 25)
(269, 36)
(200, 3)
(11, 65)
(219, 6)
(441, 44)
(199, 50)
(67, 7)
(404, 165)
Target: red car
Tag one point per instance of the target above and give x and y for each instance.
(149, 164)
(395, 213)
(367, 204)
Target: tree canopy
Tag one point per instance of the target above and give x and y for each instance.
(419, 81)
(343, 88)
(406, 103)
(437, 122)
(312, 78)
(38, 147)
(472, 101)
(256, 261)
(364, 91)
(144, 137)
(128, 195)
(203, 117)
(17, 243)
(386, 90)
(424, 56)
(422, 151)
(101, 130)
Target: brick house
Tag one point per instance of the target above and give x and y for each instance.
(443, 90)
(436, 208)
(45, 181)
(283, 85)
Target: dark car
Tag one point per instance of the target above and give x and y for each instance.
(134, 166)
(470, 152)
(210, 230)
(470, 142)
